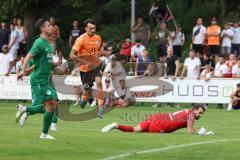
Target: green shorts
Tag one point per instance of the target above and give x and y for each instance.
(42, 93)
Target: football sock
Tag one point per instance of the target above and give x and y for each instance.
(125, 128)
(47, 118)
(35, 109)
(55, 115)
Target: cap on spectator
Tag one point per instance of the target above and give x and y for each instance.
(238, 85)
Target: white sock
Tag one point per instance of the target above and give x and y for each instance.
(229, 107)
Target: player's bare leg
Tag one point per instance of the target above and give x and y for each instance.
(123, 128)
(100, 97)
(86, 94)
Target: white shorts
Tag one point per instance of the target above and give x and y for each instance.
(13, 52)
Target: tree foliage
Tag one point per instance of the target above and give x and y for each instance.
(113, 16)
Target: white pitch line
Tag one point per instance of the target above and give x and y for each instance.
(123, 155)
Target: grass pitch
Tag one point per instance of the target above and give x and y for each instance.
(83, 140)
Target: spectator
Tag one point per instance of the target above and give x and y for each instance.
(23, 35)
(236, 70)
(213, 39)
(171, 66)
(61, 61)
(236, 39)
(152, 69)
(4, 35)
(227, 35)
(199, 37)
(15, 21)
(75, 33)
(142, 31)
(114, 68)
(136, 51)
(221, 68)
(55, 33)
(235, 99)
(109, 92)
(19, 65)
(230, 63)
(142, 63)
(107, 57)
(178, 40)
(163, 39)
(122, 95)
(206, 74)
(6, 61)
(14, 42)
(126, 48)
(192, 66)
(207, 61)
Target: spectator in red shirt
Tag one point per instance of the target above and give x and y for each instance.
(126, 48)
(230, 63)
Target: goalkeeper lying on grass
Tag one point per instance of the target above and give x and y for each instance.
(166, 122)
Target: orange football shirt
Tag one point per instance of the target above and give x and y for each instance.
(214, 40)
(88, 49)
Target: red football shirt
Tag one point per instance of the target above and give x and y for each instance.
(169, 122)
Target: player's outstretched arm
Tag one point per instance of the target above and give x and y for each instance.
(190, 125)
(25, 64)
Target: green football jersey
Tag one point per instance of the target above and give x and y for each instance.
(43, 60)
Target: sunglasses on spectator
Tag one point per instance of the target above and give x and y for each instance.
(5, 47)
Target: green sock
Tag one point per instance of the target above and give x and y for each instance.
(47, 121)
(35, 109)
(55, 115)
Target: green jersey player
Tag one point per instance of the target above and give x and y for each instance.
(44, 96)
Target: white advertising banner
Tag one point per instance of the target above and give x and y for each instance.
(146, 89)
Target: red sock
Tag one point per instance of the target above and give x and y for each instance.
(125, 128)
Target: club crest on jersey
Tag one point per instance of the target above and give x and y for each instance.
(98, 43)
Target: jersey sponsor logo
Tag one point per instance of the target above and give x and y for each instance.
(49, 92)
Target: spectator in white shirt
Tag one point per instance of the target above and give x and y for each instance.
(206, 74)
(6, 61)
(227, 35)
(114, 68)
(221, 68)
(19, 65)
(109, 92)
(236, 70)
(136, 51)
(199, 37)
(192, 66)
(62, 62)
(13, 42)
(122, 95)
(178, 40)
(236, 39)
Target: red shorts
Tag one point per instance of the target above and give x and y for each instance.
(155, 124)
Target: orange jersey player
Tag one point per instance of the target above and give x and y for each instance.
(164, 122)
(86, 52)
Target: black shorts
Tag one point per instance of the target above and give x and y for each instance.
(161, 50)
(22, 51)
(213, 49)
(198, 48)
(177, 50)
(88, 78)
